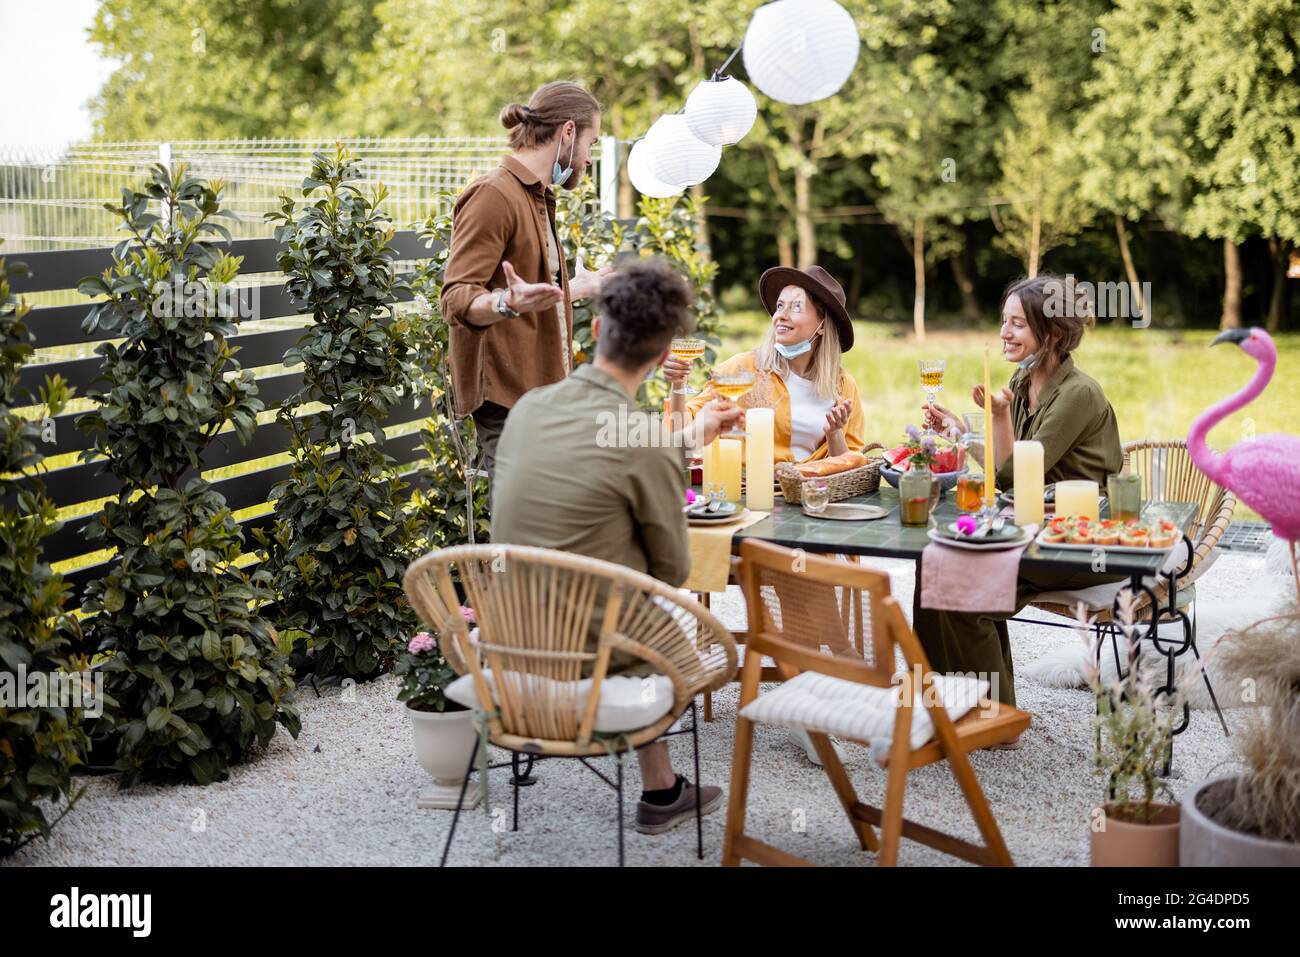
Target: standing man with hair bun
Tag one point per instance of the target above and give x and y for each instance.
(507, 296)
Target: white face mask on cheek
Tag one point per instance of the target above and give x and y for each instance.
(799, 348)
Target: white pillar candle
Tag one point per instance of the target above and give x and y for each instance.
(760, 425)
(729, 467)
(710, 467)
(1028, 466)
(1079, 499)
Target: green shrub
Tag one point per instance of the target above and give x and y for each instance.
(40, 744)
(342, 536)
(195, 675)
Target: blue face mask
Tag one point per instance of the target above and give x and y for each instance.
(799, 348)
(561, 176)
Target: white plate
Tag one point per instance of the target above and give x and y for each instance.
(1135, 549)
(726, 520)
(1024, 539)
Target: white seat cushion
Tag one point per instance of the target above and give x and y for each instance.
(627, 702)
(817, 702)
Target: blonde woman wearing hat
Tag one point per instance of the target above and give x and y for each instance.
(797, 368)
(798, 373)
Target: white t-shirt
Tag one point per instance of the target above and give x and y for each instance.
(807, 416)
(554, 263)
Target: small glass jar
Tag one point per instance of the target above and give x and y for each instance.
(815, 495)
(917, 496)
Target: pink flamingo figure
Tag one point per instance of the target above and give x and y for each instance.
(1264, 472)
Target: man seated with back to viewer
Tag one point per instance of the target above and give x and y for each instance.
(555, 452)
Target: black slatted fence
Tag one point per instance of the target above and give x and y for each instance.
(81, 483)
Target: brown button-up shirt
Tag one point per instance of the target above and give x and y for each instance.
(1074, 421)
(565, 480)
(503, 216)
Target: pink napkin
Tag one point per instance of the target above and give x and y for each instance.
(955, 579)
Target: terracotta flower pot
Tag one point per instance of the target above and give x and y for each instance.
(1121, 843)
(1205, 842)
(444, 742)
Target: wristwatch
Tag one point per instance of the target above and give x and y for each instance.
(501, 305)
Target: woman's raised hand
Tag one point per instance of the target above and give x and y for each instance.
(1001, 399)
(838, 416)
(939, 419)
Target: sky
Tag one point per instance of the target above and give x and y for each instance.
(48, 71)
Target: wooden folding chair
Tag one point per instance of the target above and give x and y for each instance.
(799, 618)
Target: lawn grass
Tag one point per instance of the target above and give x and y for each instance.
(1157, 380)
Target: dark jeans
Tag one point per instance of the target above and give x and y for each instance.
(489, 420)
(964, 642)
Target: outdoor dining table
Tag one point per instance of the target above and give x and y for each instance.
(789, 526)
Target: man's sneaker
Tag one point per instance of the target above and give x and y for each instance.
(657, 818)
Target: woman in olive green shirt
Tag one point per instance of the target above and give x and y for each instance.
(1049, 401)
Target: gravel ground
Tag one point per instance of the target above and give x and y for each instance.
(344, 792)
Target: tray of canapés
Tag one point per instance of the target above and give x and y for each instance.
(1081, 532)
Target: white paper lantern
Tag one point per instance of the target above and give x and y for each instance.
(677, 156)
(721, 112)
(638, 171)
(799, 51)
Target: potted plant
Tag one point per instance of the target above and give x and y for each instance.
(1134, 731)
(444, 730)
(1253, 818)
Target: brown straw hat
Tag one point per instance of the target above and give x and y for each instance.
(817, 282)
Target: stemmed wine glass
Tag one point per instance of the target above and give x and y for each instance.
(931, 381)
(687, 350)
(732, 386)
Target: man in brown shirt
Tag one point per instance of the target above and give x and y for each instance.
(556, 451)
(507, 296)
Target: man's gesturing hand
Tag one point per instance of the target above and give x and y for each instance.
(529, 296)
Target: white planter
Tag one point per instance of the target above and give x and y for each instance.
(1206, 843)
(443, 745)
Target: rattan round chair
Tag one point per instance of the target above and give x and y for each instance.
(545, 621)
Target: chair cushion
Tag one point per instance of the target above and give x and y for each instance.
(848, 709)
(627, 702)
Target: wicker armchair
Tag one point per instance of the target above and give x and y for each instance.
(548, 619)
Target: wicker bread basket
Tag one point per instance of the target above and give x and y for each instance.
(841, 485)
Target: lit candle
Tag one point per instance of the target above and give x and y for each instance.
(710, 457)
(1028, 465)
(729, 467)
(1075, 498)
(990, 459)
(759, 457)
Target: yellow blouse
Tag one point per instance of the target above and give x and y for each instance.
(770, 392)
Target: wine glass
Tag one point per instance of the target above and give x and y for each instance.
(931, 381)
(731, 386)
(687, 350)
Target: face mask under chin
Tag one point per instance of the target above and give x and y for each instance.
(799, 348)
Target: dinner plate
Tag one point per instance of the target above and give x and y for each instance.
(978, 545)
(846, 512)
(1077, 547)
(723, 520)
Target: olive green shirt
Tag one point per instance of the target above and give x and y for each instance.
(582, 469)
(1073, 420)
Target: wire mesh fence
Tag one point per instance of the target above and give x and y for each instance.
(53, 199)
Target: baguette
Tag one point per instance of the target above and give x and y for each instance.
(833, 465)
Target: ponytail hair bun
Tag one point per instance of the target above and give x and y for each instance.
(514, 115)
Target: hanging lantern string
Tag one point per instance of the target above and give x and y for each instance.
(718, 73)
